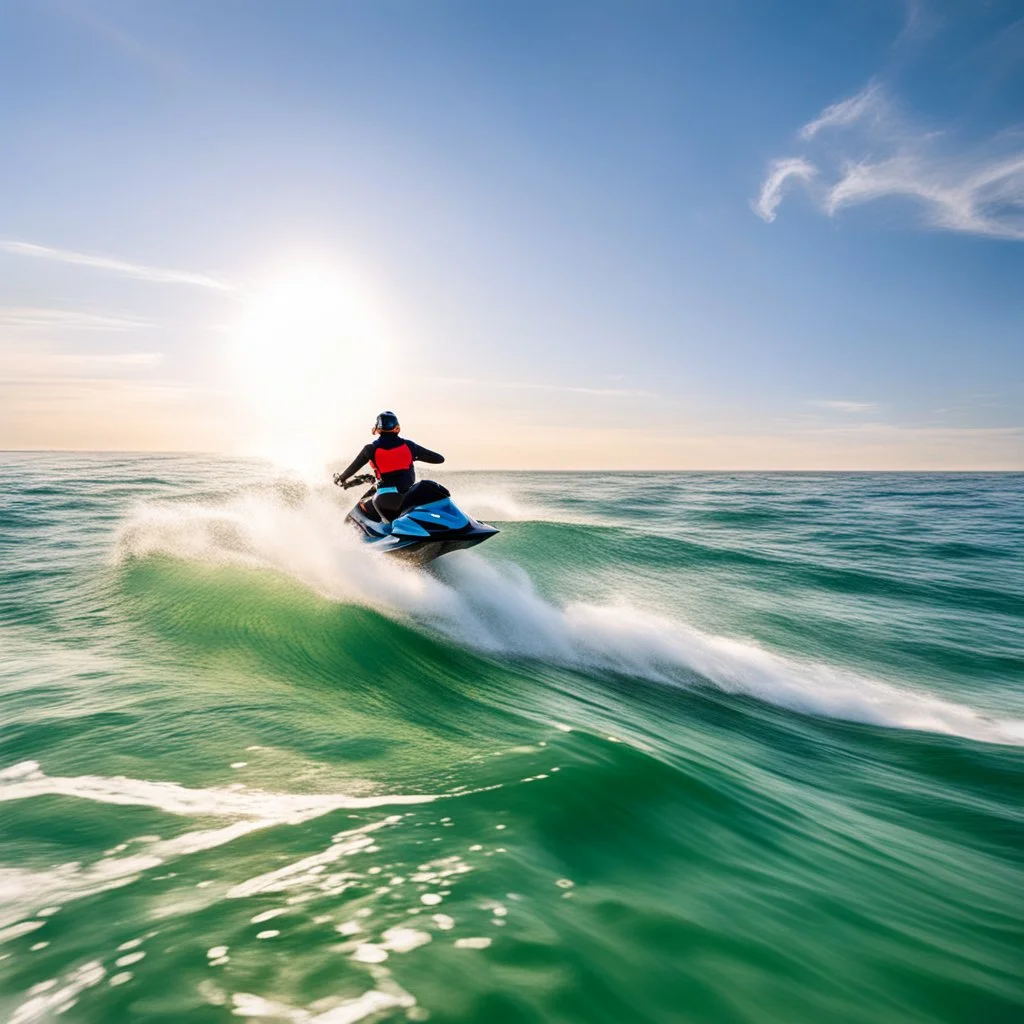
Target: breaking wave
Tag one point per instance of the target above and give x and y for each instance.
(494, 608)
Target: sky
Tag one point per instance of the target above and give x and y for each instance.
(569, 234)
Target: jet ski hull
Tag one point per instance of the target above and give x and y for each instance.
(422, 533)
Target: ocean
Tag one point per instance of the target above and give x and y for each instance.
(722, 748)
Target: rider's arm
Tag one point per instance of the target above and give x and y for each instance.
(421, 454)
(355, 465)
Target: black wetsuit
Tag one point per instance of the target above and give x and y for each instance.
(392, 457)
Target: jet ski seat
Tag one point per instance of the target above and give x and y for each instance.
(421, 493)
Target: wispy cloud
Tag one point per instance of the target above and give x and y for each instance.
(915, 21)
(876, 153)
(125, 268)
(566, 389)
(35, 366)
(607, 392)
(117, 37)
(838, 405)
(780, 172)
(36, 318)
(868, 104)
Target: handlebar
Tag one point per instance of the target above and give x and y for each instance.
(354, 481)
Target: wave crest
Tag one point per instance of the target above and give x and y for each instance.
(495, 609)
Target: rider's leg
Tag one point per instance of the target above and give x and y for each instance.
(388, 503)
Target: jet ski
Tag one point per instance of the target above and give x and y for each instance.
(428, 525)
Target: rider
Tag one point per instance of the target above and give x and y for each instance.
(391, 457)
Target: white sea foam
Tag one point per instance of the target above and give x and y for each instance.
(505, 615)
(403, 940)
(26, 779)
(54, 1001)
(497, 611)
(308, 870)
(368, 1004)
(22, 890)
(268, 915)
(16, 931)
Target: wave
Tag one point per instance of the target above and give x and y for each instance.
(495, 609)
(23, 890)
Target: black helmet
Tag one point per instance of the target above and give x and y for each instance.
(387, 423)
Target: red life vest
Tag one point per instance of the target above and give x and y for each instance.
(391, 460)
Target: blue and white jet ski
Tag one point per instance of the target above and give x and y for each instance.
(429, 525)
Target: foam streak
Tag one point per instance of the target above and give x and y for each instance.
(23, 890)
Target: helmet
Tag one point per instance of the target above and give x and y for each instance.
(387, 423)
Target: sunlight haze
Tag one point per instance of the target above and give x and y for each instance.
(573, 235)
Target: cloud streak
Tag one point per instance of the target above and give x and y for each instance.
(124, 268)
(868, 104)
(606, 392)
(781, 172)
(20, 367)
(843, 406)
(36, 318)
(563, 389)
(874, 153)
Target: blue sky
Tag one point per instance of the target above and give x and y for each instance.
(654, 234)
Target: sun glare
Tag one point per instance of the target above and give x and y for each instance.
(302, 355)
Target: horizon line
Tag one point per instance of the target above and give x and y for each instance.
(177, 453)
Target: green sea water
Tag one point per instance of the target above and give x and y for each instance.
(671, 748)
